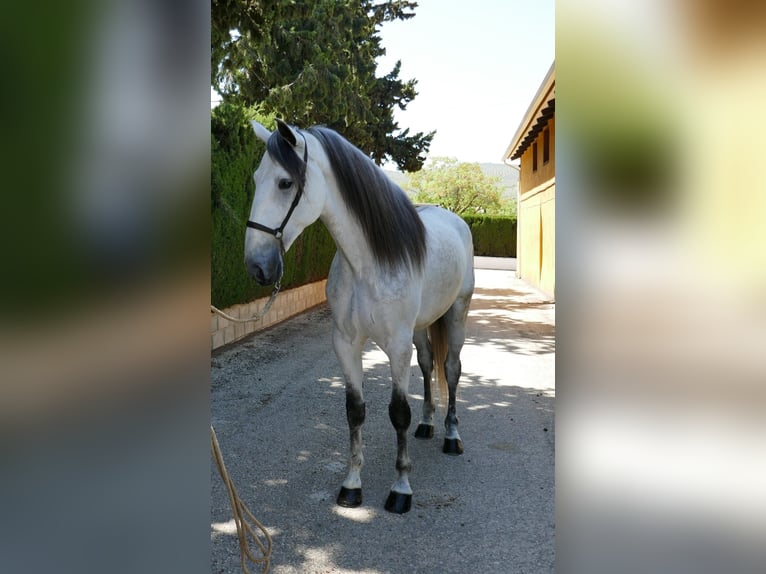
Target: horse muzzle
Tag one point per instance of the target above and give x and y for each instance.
(266, 268)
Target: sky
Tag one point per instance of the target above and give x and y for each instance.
(478, 65)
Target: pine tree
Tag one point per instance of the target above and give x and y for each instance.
(315, 63)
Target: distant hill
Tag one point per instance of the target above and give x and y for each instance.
(509, 177)
(397, 177)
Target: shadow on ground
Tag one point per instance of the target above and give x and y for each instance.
(479, 512)
(509, 320)
(277, 403)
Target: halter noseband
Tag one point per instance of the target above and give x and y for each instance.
(278, 231)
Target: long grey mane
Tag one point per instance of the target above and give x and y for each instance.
(390, 223)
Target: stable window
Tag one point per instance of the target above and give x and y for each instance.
(546, 145)
(534, 156)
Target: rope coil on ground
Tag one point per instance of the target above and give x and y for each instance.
(241, 513)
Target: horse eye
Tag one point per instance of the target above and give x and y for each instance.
(285, 183)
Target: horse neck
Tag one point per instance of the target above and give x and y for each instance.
(346, 231)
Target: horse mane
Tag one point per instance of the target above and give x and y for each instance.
(393, 229)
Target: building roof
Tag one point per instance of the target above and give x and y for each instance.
(542, 107)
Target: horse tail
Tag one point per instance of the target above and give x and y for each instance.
(437, 333)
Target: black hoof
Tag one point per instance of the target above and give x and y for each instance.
(349, 497)
(398, 503)
(424, 431)
(453, 446)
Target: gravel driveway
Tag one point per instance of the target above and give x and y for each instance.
(277, 404)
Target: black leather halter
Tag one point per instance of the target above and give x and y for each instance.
(278, 231)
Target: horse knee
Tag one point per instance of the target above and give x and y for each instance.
(355, 409)
(399, 411)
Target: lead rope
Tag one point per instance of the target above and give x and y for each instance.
(239, 509)
(237, 506)
(241, 514)
(262, 313)
(258, 316)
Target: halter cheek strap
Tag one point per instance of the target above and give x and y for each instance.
(277, 232)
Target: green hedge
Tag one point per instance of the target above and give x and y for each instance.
(493, 235)
(235, 153)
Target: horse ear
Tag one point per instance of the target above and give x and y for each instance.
(287, 133)
(261, 132)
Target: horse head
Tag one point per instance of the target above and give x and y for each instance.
(287, 199)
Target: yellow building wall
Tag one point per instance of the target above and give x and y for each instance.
(536, 261)
(536, 238)
(528, 263)
(548, 236)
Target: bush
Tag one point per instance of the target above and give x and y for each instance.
(493, 235)
(235, 152)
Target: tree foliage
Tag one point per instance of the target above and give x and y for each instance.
(315, 63)
(460, 187)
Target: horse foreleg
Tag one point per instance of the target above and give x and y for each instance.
(350, 357)
(425, 361)
(400, 498)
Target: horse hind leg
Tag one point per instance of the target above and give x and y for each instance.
(425, 429)
(399, 499)
(454, 322)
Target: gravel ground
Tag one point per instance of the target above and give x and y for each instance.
(277, 404)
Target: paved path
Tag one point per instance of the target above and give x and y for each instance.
(277, 405)
(499, 263)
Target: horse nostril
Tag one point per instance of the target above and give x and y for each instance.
(265, 270)
(255, 270)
